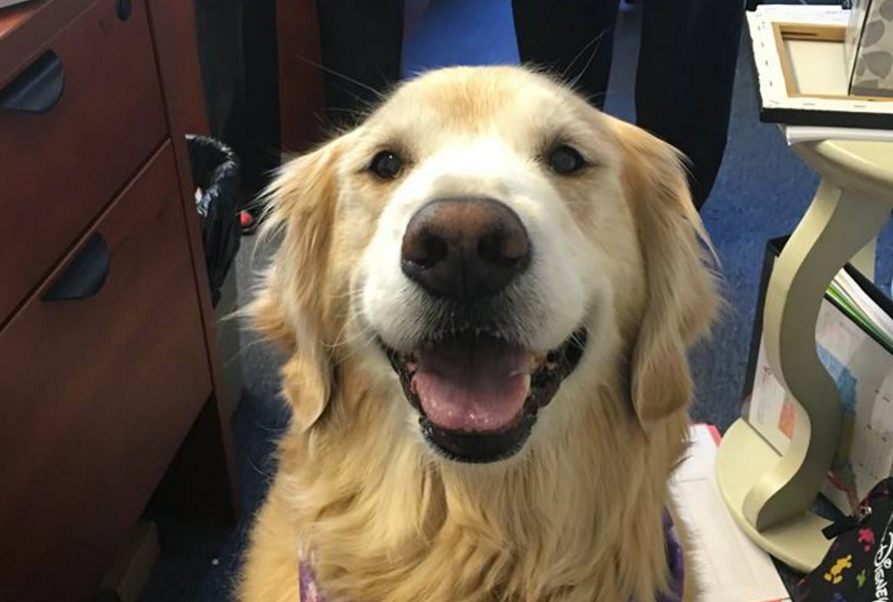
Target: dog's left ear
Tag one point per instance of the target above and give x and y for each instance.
(681, 297)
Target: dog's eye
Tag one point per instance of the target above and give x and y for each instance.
(387, 165)
(565, 160)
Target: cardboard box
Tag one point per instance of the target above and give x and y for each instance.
(869, 48)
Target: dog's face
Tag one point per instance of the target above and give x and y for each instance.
(487, 240)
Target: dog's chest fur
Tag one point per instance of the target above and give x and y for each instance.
(386, 524)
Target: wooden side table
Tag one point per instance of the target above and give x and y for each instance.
(770, 494)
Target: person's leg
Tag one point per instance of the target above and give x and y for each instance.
(686, 74)
(262, 105)
(360, 45)
(218, 25)
(573, 38)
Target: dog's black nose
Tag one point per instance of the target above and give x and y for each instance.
(465, 248)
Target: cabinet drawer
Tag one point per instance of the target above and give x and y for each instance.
(59, 168)
(97, 393)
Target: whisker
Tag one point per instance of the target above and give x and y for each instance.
(341, 75)
(348, 294)
(599, 38)
(276, 430)
(365, 337)
(597, 95)
(348, 111)
(245, 348)
(570, 65)
(268, 476)
(344, 339)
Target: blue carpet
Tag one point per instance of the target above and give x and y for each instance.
(762, 191)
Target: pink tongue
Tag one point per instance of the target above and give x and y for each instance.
(472, 384)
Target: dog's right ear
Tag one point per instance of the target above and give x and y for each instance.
(293, 307)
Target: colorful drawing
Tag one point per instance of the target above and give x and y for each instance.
(835, 573)
(866, 538)
(787, 419)
(841, 474)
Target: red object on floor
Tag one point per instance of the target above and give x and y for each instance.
(248, 222)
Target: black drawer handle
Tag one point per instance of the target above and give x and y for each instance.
(37, 89)
(85, 275)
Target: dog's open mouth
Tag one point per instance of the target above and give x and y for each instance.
(479, 395)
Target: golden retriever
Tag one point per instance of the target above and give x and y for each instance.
(486, 293)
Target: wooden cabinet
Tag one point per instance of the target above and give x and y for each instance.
(108, 366)
(60, 167)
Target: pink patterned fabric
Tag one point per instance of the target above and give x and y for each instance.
(309, 591)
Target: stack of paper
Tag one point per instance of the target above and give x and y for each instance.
(728, 566)
(854, 342)
(861, 308)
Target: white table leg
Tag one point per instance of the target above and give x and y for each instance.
(833, 230)
(866, 259)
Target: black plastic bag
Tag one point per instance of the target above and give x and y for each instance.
(215, 172)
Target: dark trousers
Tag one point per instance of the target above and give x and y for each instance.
(237, 52)
(684, 82)
(360, 43)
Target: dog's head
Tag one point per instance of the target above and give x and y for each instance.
(484, 241)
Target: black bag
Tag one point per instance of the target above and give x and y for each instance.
(858, 566)
(215, 171)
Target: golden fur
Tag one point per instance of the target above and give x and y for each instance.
(576, 517)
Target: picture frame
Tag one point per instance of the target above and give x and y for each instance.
(796, 54)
